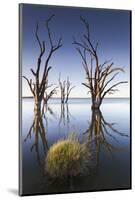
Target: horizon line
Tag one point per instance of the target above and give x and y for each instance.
(31, 97)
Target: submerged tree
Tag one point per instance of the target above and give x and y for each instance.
(65, 89)
(98, 75)
(62, 85)
(68, 89)
(48, 95)
(37, 86)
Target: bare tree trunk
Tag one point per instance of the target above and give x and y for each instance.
(37, 104)
(65, 89)
(97, 77)
(68, 89)
(62, 86)
(96, 103)
(39, 87)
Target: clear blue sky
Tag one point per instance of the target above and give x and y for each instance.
(111, 28)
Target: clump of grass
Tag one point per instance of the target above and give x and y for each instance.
(67, 157)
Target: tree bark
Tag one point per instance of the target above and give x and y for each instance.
(37, 104)
(97, 77)
(96, 103)
(38, 87)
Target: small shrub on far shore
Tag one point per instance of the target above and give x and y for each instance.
(67, 157)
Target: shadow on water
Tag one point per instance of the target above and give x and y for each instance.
(96, 137)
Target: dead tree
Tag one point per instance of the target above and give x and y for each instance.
(98, 75)
(68, 89)
(65, 89)
(62, 86)
(37, 86)
(48, 95)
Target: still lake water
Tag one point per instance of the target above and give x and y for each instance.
(110, 164)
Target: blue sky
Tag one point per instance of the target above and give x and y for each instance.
(111, 28)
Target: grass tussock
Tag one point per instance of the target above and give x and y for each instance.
(67, 157)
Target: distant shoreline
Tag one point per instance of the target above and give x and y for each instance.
(80, 98)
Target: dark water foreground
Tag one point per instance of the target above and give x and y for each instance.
(108, 131)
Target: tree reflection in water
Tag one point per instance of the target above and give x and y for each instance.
(38, 129)
(65, 117)
(98, 133)
(98, 136)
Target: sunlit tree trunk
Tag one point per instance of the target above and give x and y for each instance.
(37, 104)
